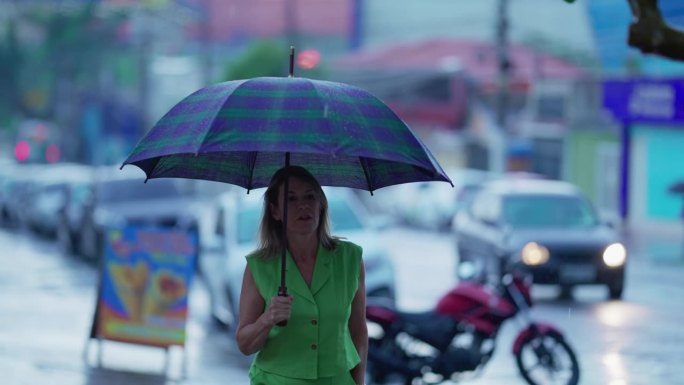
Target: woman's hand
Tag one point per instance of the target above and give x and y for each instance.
(279, 310)
(257, 319)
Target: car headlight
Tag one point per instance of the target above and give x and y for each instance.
(533, 254)
(615, 255)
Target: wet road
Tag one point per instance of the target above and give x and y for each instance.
(638, 340)
(48, 300)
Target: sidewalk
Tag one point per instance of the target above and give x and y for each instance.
(659, 241)
(48, 301)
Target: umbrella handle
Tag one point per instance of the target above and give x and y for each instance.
(282, 292)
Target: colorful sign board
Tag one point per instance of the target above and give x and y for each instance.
(659, 101)
(146, 276)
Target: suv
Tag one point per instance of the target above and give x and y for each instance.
(547, 227)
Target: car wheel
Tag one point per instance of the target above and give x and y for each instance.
(615, 289)
(383, 294)
(91, 244)
(64, 241)
(229, 312)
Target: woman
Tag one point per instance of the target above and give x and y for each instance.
(325, 340)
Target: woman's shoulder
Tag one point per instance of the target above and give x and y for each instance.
(346, 246)
(258, 256)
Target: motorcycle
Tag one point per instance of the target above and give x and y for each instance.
(455, 340)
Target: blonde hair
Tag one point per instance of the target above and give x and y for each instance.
(270, 230)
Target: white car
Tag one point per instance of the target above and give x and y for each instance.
(229, 233)
(429, 205)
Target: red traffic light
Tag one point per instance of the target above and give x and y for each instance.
(308, 59)
(22, 150)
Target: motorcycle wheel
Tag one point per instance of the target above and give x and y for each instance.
(547, 359)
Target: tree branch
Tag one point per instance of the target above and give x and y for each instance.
(650, 33)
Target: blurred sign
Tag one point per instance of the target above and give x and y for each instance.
(658, 101)
(146, 277)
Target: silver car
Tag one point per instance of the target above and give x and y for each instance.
(229, 233)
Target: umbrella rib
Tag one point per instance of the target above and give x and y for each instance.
(364, 167)
(252, 166)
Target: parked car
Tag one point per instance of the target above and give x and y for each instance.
(428, 205)
(48, 195)
(548, 227)
(119, 200)
(231, 233)
(18, 183)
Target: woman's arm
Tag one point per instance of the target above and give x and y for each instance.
(255, 322)
(358, 328)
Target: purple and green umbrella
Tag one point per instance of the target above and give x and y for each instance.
(241, 132)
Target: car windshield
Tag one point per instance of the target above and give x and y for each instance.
(342, 216)
(124, 190)
(248, 223)
(548, 211)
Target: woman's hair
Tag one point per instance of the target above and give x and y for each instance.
(270, 229)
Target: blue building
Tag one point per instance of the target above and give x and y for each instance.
(645, 95)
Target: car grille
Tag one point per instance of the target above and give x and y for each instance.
(576, 254)
(162, 222)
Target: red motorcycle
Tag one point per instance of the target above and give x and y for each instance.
(456, 339)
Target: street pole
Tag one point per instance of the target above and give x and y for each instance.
(291, 28)
(504, 64)
(497, 146)
(144, 54)
(208, 70)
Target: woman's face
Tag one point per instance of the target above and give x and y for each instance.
(304, 207)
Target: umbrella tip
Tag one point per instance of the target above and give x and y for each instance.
(121, 168)
(292, 49)
(146, 178)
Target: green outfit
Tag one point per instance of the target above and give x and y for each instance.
(316, 344)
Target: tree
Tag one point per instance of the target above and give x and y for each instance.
(267, 58)
(11, 58)
(649, 32)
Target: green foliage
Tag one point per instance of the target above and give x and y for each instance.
(267, 58)
(11, 59)
(76, 44)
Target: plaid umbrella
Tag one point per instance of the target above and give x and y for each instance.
(242, 131)
(238, 132)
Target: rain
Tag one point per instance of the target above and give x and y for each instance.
(541, 187)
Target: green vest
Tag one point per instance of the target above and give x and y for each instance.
(316, 341)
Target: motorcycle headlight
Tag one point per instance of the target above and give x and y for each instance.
(534, 254)
(615, 255)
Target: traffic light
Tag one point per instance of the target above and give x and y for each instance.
(308, 59)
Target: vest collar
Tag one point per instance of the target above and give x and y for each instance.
(321, 274)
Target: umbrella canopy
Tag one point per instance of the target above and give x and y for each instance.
(238, 132)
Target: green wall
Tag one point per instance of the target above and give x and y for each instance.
(581, 157)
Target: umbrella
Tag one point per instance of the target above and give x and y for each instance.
(242, 131)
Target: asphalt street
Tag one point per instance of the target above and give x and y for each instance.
(48, 301)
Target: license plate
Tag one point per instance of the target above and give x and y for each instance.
(577, 273)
